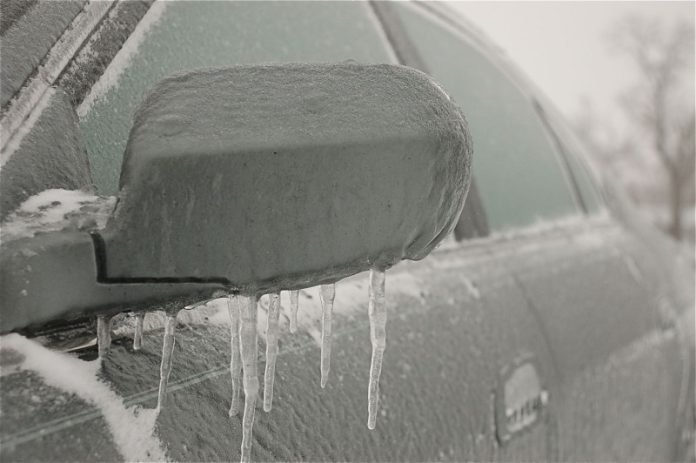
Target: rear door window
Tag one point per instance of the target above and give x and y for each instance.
(519, 176)
(176, 36)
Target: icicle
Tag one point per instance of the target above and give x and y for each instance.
(234, 306)
(294, 305)
(103, 335)
(327, 294)
(138, 335)
(377, 310)
(166, 365)
(271, 349)
(249, 352)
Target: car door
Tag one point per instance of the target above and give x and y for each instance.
(590, 287)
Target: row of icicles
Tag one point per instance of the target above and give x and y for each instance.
(244, 348)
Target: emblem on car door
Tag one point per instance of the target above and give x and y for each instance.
(520, 399)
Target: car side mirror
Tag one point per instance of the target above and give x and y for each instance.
(256, 179)
(282, 177)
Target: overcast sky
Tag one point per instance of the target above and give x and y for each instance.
(562, 46)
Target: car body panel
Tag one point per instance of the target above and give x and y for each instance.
(457, 320)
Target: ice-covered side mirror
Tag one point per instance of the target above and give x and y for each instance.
(280, 177)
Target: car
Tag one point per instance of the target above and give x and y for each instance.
(552, 324)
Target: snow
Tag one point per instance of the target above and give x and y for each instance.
(132, 428)
(56, 210)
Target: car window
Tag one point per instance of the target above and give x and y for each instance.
(186, 35)
(520, 179)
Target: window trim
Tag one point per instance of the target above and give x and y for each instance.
(407, 54)
(32, 93)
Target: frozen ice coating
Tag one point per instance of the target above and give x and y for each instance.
(272, 333)
(138, 333)
(103, 335)
(377, 310)
(327, 295)
(57, 210)
(249, 352)
(375, 157)
(166, 365)
(131, 428)
(294, 307)
(234, 303)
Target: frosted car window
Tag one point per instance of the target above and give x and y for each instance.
(175, 36)
(519, 177)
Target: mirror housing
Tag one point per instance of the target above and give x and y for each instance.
(282, 177)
